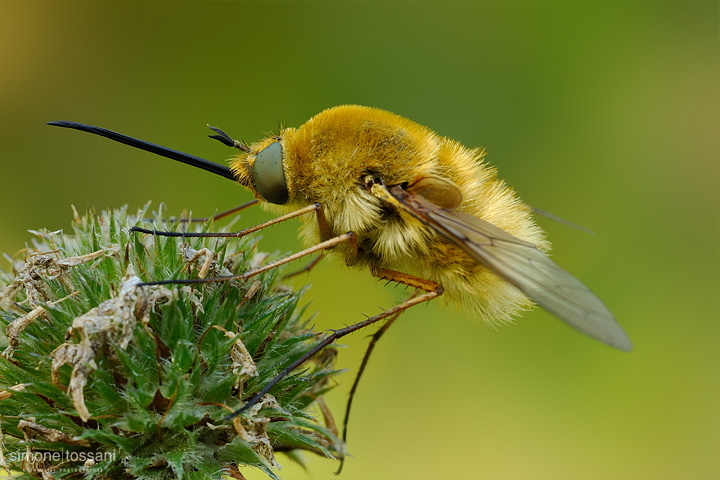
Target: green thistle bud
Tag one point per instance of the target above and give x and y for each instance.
(116, 381)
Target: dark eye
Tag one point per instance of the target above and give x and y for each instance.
(269, 176)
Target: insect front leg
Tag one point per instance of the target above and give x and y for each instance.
(221, 215)
(323, 228)
(214, 218)
(325, 234)
(315, 207)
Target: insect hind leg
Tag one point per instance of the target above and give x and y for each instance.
(363, 364)
(407, 279)
(432, 290)
(390, 276)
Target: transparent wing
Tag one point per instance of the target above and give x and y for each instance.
(523, 265)
(558, 219)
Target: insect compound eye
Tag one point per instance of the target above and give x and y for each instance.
(269, 176)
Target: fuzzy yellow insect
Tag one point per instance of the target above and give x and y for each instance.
(394, 197)
(424, 205)
(328, 159)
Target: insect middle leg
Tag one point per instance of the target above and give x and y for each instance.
(304, 269)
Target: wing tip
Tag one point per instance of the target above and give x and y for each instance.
(618, 339)
(623, 344)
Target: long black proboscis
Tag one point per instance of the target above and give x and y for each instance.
(198, 162)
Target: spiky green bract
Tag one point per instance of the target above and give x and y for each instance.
(104, 379)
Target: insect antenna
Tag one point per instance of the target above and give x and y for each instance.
(226, 139)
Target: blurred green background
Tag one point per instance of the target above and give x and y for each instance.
(605, 113)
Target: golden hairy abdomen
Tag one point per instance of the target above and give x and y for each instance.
(329, 154)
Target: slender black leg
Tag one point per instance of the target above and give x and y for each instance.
(366, 358)
(432, 290)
